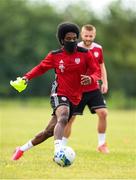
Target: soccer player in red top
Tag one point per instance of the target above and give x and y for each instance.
(70, 64)
(92, 94)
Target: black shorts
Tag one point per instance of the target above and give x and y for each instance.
(57, 101)
(93, 99)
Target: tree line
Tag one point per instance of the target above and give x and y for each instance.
(28, 33)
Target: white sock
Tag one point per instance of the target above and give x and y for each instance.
(26, 146)
(101, 138)
(57, 144)
(64, 141)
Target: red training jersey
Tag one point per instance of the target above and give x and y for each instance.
(68, 69)
(97, 53)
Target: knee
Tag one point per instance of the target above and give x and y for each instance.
(62, 114)
(103, 114)
(63, 119)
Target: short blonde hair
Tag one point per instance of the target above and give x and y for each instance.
(88, 27)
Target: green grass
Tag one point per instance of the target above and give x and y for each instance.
(20, 121)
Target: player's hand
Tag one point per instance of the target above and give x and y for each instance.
(85, 80)
(104, 88)
(19, 84)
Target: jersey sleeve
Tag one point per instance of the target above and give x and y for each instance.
(94, 70)
(45, 65)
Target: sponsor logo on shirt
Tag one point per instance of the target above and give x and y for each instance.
(61, 66)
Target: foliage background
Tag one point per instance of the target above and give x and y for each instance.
(28, 33)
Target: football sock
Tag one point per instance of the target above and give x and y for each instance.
(26, 146)
(64, 141)
(57, 144)
(101, 138)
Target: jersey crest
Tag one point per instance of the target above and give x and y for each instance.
(96, 54)
(77, 60)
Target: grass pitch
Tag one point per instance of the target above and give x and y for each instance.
(20, 121)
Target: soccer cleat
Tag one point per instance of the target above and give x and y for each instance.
(17, 154)
(103, 149)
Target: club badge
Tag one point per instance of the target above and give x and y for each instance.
(96, 54)
(77, 60)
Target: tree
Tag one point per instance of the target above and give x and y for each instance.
(27, 34)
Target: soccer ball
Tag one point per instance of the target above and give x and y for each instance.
(64, 156)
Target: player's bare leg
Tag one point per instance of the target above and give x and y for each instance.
(67, 130)
(46, 133)
(62, 113)
(39, 138)
(102, 124)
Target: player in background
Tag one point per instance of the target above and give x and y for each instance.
(70, 64)
(92, 95)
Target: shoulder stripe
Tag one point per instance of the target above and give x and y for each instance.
(96, 45)
(56, 51)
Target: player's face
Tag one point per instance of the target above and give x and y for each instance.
(88, 37)
(70, 37)
(70, 42)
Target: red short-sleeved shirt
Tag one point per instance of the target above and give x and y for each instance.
(68, 69)
(97, 53)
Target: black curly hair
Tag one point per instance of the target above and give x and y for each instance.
(64, 28)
